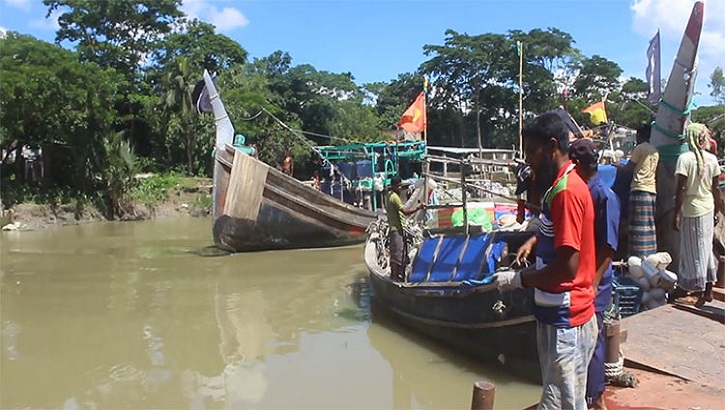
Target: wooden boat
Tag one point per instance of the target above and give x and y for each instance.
(260, 208)
(672, 117)
(257, 207)
(448, 296)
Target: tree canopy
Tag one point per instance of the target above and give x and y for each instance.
(115, 92)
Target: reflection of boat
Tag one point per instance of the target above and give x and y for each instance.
(257, 207)
(448, 296)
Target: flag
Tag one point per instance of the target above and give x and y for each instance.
(414, 118)
(425, 83)
(200, 96)
(653, 69)
(597, 113)
(518, 48)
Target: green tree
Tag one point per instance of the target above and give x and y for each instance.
(178, 102)
(717, 85)
(114, 33)
(199, 43)
(50, 97)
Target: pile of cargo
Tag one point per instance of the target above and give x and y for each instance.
(653, 278)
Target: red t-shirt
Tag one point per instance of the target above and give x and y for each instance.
(567, 220)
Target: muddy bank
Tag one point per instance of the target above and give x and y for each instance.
(194, 202)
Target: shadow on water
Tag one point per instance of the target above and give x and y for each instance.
(381, 316)
(210, 251)
(360, 293)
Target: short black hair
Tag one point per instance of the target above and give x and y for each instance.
(395, 180)
(644, 132)
(546, 126)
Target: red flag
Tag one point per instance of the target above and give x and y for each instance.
(414, 118)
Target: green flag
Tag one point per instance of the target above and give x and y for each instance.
(518, 48)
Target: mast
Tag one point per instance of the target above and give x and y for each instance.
(520, 48)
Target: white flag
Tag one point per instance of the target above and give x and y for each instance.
(653, 69)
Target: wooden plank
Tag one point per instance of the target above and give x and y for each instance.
(246, 185)
(678, 342)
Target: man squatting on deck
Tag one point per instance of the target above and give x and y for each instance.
(396, 213)
(565, 268)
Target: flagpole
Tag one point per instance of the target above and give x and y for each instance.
(426, 164)
(521, 98)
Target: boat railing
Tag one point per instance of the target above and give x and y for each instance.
(464, 182)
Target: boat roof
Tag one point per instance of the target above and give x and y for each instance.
(466, 151)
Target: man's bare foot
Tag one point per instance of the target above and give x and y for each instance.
(599, 405)
(687, 300)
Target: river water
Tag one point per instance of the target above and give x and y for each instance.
(148, 315)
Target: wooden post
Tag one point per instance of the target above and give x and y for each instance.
(612, 343)
(463, 197)
(484, 394)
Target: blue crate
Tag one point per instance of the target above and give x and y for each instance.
(627, 296)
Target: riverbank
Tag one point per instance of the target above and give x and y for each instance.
(151, 199)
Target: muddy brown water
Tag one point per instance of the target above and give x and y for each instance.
(147, 315)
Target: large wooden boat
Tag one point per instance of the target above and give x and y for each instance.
(260, 208)
(256, 207)
(673, 115)
(448, 296)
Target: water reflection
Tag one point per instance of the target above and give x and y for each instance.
(131, 316)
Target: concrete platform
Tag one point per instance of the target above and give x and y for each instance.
(678, 355)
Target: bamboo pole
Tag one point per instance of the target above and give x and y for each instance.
(521, 97)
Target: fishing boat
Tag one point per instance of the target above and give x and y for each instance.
(257, 207)
(448, 292)
(448, 295)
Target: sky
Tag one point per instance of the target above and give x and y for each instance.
(376, 40)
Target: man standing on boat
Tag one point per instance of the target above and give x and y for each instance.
(396, 213)
(565, 266)
(606, 236)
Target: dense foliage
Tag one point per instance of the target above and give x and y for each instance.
(113, 97)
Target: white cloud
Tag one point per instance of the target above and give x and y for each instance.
(50, 23)
(224, 19)
(21, 4)
(670, 16)
(227, 19)
(3, 32)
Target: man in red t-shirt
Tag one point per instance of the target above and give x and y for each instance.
(565, 266)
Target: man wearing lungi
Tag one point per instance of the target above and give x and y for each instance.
(643, 195)
(697, 202)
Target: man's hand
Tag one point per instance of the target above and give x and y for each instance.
(524, 252)
(678, 222)
(507, 280)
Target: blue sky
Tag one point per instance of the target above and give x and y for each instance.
(377, 40)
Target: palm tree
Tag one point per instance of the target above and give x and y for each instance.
(179, 102)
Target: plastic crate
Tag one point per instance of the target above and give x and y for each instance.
(627, 296)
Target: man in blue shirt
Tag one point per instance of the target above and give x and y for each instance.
(606, 231)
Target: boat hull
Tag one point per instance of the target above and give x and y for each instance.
(480, 322)
(258, 208)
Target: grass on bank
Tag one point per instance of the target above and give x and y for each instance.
(150, 190)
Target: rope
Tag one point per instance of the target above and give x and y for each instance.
(665, 131)
(287, 127)
(309, 144)
(670, 152)
(612, 370)
(676, 110)
(254, 117)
